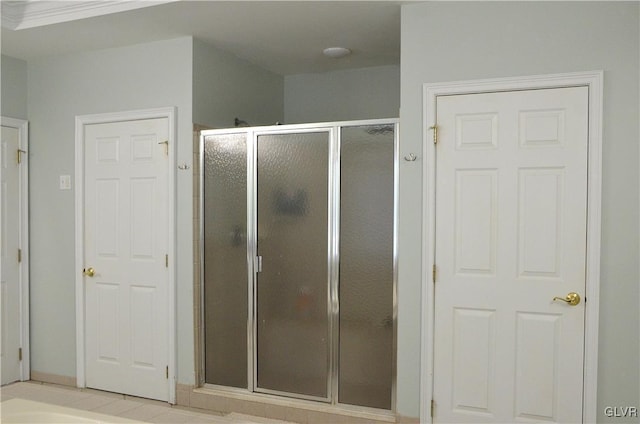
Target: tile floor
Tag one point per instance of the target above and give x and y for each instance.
(122, 406)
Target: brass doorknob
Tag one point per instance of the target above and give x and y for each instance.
(89, 272)
(572, 298)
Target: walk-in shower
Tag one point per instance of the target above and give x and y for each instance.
(298, 230)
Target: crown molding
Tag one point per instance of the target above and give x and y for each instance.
(17, 15)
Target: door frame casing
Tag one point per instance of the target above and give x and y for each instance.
(594, 81)
(23, 142)
(135, 115)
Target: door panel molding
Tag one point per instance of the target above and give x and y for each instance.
(594, 81)
(80, 123)
(23, 141)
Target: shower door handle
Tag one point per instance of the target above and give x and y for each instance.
(258, 264)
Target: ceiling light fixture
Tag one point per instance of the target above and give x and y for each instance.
(336, 52)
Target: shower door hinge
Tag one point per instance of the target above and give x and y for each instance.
(19, 255)
(435, 133)
(166, 261)
(433, 407)
(434, 272)
(19, 354)
(258, 263)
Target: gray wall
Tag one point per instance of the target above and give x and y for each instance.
(448, 41)
(143, 76)
(365, 93)
(225, 87)
(14, 87)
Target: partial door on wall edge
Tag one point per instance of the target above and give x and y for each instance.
(14, 251)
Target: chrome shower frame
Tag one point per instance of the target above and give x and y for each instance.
(333, 256)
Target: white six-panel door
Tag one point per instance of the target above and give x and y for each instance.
(10, 266)
(126, 245)
(511, 199)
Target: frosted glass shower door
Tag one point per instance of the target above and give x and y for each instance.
(292, 286)
(365, 375)
(224, 215)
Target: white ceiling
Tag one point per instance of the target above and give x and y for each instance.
(284, 37)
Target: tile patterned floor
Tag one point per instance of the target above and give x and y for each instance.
(122, 406)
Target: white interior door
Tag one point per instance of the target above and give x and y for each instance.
(511, 199)
(126, 261)
(10, 286)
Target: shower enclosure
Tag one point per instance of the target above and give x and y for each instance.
(298, 270)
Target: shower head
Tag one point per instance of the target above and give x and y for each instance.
(240, 123)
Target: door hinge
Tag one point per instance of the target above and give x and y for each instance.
(166, 261)
(19, 255)
(19, 155)
(434, 128)
(19, 354)
(258, 263)
(433, 407)
(166, 370)
(434, 272)
(166, 147)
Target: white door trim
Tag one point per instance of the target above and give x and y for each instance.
(592, 80)
(81, 122)
(23, 136)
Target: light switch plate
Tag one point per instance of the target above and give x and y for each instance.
(65, 182)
